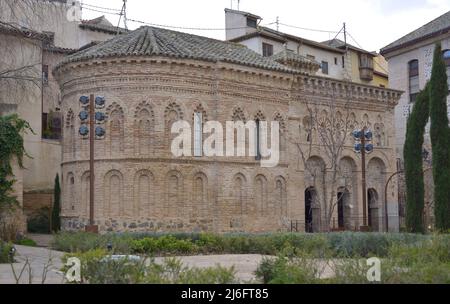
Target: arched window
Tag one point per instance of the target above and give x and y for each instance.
(414, 85)
(144, 120)
(72, 193)
(116, 129)
(446, 55)
(199, 121)
(259, 118)
(172, 114)
(70, 135)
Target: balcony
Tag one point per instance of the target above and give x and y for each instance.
(51, 126)
(366, 73)
(366, 67)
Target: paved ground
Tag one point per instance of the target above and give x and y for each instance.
(42, 240)
(38, 260)
(41, 258)
(244, 265)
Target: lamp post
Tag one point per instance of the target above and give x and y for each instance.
(363, 145)
(88, 130)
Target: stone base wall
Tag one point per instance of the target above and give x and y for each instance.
(173, 225)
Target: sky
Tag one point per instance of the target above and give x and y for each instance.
(372, 24)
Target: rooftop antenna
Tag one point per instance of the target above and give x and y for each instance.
(123, 13)
(239, 3)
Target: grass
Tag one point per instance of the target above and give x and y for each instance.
(334, 244)
(296, 258)
(26, 242)
(97, 269)
(5, 253)
(427, 262)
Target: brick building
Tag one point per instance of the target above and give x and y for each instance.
(152, 77)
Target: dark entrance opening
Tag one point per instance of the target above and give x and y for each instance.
(372, 212)
(340, 207)
(309, 200)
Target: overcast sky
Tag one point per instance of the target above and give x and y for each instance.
(372, 23)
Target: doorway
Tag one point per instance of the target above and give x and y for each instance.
(372, 216)
(310, 194)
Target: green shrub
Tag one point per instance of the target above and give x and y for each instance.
(26, 242)
(342, 245)
(6, 253)
(425, 262)
(82, 242)
(266, 270)
(97, 268)
(164, 244)
(301, 269)
(172, 271)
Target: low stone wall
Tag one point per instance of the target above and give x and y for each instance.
(170, 225)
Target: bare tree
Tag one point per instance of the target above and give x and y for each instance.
(21, 25)
(325, 132)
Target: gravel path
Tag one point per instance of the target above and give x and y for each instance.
(39, 258)
(244, 265)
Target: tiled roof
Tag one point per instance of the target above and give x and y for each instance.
(21, 31)
(287, 55)
(284, 37)
(103, 25)
(153, 41)
(433, 28)
(337, 43)
(296, 61)
(56, 49)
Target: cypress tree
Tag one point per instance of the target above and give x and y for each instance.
(412, 154)
(440, 140)
(56, 220)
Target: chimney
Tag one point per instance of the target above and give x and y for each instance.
(238, 23)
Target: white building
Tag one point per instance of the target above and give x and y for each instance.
(336, 59)
(410, 62)
(38, 34)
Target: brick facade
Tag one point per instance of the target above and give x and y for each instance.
(140, 186)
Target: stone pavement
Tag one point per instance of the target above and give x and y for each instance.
(42, 258)
(244, 265)
(39, 260)
(42, 240)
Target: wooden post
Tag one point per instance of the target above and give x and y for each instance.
(364, 186)
(92, 227)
